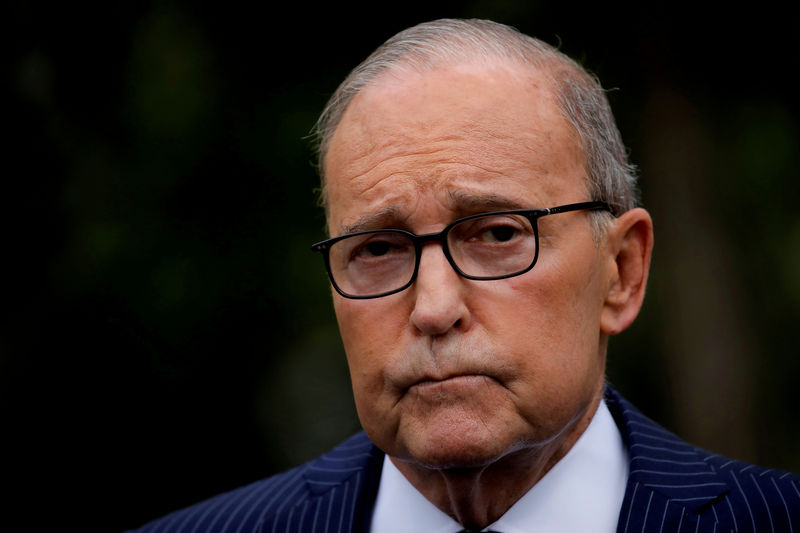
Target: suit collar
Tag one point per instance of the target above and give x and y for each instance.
(350, 472)
(661, 461)
(356, 455)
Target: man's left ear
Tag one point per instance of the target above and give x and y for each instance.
(630, 245)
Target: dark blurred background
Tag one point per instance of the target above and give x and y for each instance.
(167, 334)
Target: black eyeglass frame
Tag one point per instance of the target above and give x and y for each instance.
(533, 215)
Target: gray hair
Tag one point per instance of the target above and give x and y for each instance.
(610, 177)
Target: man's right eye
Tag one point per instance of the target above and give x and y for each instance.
(375, 248)
(380, 247)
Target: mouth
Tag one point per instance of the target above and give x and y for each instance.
(458, 381)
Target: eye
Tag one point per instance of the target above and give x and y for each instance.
(379, 246)
(499, 233)
(375, 248)
(496, 229)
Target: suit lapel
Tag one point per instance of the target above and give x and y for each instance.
(342, 484)
(670, 486)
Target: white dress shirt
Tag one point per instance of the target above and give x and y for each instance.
(582, 493)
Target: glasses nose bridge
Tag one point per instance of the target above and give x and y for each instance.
(441, 237)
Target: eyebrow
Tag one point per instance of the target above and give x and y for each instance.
(467, 203)
(379, 219)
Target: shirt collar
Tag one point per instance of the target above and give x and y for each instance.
(582, 492)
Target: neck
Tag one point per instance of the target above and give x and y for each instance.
(478, 496)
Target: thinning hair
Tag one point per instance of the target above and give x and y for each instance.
(582, 100)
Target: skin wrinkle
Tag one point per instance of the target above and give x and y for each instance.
(400, 163)
(461, 203)
(513, 148)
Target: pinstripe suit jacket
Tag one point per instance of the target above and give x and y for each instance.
(672, 487)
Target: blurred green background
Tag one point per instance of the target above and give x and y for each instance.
(167, 333)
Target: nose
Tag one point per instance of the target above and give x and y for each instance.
(439, 294)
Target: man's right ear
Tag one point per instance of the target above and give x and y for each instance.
(630, 246)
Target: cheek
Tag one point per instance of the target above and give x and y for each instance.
(367, 325)
(564, 291)
(352, 325)
(557, 321)
(543, 312)
(369, 331)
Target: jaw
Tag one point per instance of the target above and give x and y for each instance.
(467, 482)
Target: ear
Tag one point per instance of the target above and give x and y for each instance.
(630, 245)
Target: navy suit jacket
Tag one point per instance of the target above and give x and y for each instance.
(672, 487)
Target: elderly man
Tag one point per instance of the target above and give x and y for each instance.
(485, 246)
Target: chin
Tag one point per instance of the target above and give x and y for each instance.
(456, 449)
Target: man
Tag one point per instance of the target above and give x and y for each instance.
(485, 245)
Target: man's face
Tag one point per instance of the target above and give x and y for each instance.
(453, 372)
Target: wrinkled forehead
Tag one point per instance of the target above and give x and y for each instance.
(497, 119)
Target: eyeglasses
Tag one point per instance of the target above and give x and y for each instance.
(486, 246)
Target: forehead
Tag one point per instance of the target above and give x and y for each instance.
(452, 135)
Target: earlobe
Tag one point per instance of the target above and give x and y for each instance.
(630, 241)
